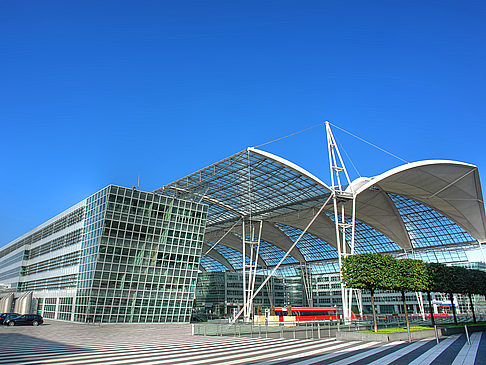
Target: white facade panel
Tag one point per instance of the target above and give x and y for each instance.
(70, 270)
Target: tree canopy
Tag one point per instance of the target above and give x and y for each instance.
(368, 271)
(410, 275)
(374, 271)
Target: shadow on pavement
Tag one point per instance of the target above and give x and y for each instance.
(20, 348)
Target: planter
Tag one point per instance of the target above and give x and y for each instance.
(384, 337)
(460, 329)
(403, 336)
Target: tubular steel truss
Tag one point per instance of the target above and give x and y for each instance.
(260, 206)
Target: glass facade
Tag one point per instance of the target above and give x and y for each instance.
(220, 293)
(312, 247)
(121, 255)
(427, 227)
(140, 257)
(209, 264)
(366, 238)
(124, 256)
(234, 257)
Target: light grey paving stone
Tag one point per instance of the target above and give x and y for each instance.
(430, 355)
(397, 354)
(318, 359)
(364, 354)
(468, 353)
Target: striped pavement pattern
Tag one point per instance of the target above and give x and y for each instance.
(68, 343)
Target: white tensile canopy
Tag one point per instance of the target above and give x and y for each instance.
(257, 186)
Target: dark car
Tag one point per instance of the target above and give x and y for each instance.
(5, 316)
(24, 319)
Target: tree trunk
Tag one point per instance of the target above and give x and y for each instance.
(451, 297)
(405, 310)
(431, 309)
(472, 307)
(374, 311)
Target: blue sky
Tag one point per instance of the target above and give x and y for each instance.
(100, 92)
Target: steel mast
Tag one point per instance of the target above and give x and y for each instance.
(342, 194)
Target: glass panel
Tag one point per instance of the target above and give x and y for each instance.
(427, 227)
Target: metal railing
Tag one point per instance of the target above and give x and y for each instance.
(288, 330)
(311, 330)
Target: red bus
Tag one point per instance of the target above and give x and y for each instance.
(311, 314)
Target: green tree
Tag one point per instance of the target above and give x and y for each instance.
(436, 282)
(470, 282)
(452, 274)
(410, 275)
(482, 284)
(371, 271)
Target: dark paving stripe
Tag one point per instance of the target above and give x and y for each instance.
(295, 352)
(481, 353)
(264, 351)
(175, 358)
(380, 354)
(408, 358)
(181, 357)
(449, 354)
(302, 358)
(348, 354)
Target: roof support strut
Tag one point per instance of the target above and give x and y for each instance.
(340, 197)
(255, 293)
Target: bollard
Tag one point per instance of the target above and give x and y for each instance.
(436, 334)
(259, 331)
(319, 331)
(467, 335)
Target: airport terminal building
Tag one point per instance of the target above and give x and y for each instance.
(120, 255)
(124, 255)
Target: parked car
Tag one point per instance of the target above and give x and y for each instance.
(24, 319)
(4, 316)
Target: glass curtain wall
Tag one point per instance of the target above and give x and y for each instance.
(145, 258)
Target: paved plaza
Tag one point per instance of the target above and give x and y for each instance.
(70, 343)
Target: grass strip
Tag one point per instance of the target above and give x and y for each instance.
(420, 328)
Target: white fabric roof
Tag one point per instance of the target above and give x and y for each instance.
(449, 187)
(267, 187)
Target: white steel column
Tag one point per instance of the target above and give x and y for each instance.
(420, 300)
(419, 295)
(73, 308)
(56, 310)
(269, 287)
(482, 251)
(340, 197)
(353, 226)
(285, 256)
(359, 301)
(255, 262)
(306, 275)
(245, 314)
(255, 252)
